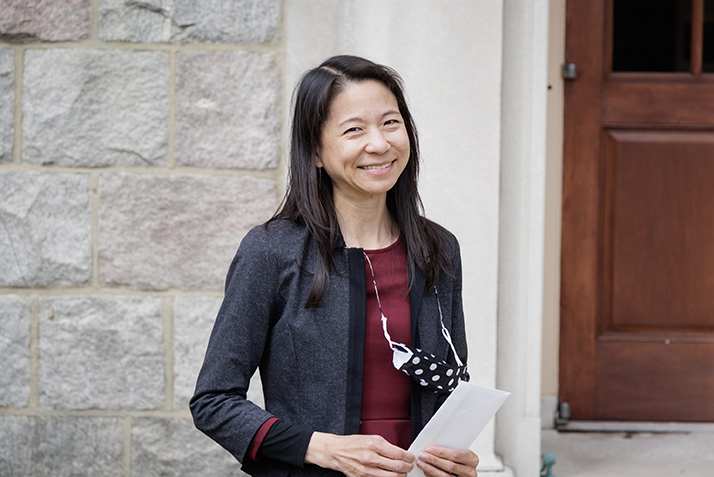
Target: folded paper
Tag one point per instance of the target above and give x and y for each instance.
(460, 420)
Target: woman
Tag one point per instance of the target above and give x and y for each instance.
(335, 293)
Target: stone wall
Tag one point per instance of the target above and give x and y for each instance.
(139, 141)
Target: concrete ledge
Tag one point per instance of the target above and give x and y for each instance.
(636, 426)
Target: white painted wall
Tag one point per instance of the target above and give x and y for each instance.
(522, 231)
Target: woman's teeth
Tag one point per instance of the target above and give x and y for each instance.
(376, 167)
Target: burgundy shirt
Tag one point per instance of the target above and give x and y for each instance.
(386, 391)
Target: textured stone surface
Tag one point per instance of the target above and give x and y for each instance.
(95, 107)
(103, 353)
(193, 322)
(60, 446)
(14, 351)
(7, 95)
(228, 109)
(159, 232)
(188, 21)
(44, 20)
(44, 229)
(175, 447)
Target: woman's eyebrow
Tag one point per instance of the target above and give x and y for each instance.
(353, 118)
(391, 111)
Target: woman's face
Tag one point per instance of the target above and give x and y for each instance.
(365, 146)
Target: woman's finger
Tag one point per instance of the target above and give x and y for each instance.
(438, 461)
(392, 452)
(376, 452)
(465, 457)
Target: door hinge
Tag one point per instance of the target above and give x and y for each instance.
(562, 415)
(570, 71)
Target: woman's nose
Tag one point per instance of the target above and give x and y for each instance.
(377, 143)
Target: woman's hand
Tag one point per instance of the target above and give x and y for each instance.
(438, 461)
(358, 455)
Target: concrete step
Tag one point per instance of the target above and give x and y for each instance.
(631, 454)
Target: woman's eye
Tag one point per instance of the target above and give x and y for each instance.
(351, 130)
(389, 122)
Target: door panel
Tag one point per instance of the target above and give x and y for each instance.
(675, 388)
(660, 231)
(637, 290)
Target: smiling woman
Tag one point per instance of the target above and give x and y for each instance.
(365, 148)
(309, 292)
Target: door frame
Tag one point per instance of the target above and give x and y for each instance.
(553, 212)
(580, 248)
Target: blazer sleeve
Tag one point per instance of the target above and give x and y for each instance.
(219, 405)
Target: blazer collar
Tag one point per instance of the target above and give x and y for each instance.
(415, 297)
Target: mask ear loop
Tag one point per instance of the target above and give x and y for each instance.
(445, 332)
(379, 303)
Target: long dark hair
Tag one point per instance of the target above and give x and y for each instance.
(309, 199)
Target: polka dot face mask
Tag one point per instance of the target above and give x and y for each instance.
(424, 368)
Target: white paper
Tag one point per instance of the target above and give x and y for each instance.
(460, 420)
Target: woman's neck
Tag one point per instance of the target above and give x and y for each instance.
(366, 224)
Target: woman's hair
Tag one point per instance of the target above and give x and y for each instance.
(309, 199)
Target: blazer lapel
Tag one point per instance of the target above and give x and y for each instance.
(415, 297)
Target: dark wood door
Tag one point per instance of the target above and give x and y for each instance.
(637, 291)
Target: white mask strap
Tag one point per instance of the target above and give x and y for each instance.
(379, 303)
(444, 331)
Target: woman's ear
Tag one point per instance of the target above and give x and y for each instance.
(318, 161)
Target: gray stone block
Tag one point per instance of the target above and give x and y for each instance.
(44, 20)
(7, 95)
(175, 447)
(228, 110)
(100, 107)
(159, 232)
(126, 20)
(101, 353)
(193, 322)
(14, 351)
(61, 446)
(188, 21)
(45, 229)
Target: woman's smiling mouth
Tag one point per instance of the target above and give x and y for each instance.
(377, 168)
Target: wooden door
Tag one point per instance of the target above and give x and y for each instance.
(637, 291)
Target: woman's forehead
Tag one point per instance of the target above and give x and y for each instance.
(360, 99)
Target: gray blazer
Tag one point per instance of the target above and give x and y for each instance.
(310, 360)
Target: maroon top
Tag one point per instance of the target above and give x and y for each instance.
(386, 409)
